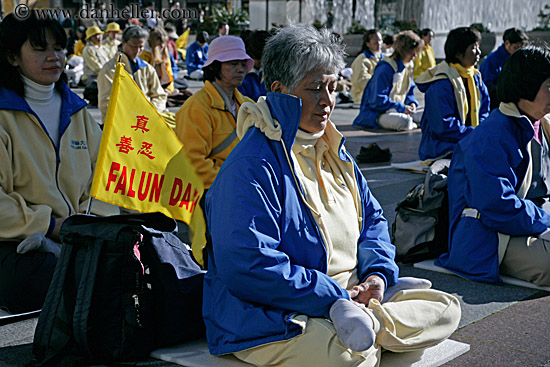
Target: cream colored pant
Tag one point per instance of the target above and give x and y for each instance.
(393, 120)
(411, 320)
(527, 258)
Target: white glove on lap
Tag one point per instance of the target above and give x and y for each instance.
(353, 326)
(39, 242)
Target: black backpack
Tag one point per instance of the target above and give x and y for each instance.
(421, 227)
(123, 286)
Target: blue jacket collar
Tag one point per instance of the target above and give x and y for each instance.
(70, 104)
(368, 54)
(286, 109)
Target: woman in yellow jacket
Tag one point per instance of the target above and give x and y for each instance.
(425, 58)
(48, 148)
(206, 122)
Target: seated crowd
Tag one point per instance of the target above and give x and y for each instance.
(296, 247)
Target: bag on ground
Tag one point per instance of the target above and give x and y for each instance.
(421, 227)
(123, 286)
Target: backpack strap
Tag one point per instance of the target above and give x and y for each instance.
(224, 144)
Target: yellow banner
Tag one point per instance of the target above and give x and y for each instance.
(141, 163)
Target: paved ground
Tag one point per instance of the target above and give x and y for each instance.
(504, 325)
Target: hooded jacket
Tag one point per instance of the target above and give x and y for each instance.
(39, 181)
(269, 261)
(487, 171)
(442, 122)
(391, 87)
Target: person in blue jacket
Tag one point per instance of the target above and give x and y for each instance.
(253, 85)
(296, 233)
(456, 100)
(499, 181)
(513, 39)
(196, 56)
(388, 101)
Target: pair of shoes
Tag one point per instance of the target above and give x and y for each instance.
(373, 154)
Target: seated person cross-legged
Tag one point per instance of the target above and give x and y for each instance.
(388, 101)
(297, 235)
(49, 145)
(456, 99)
(499, 186)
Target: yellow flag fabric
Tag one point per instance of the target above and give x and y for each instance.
(181, 42)
(141, 163)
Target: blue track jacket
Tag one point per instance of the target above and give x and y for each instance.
(442, 127)
(487, 169)
(252, 86)
(269, 261)
(196, 57)
(376, 97)
(492, 65)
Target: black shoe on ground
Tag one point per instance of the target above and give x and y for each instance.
(373, 154)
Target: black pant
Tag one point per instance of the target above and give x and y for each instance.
(24, 278)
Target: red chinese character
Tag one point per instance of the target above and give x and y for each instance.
(125, 145)
(146, 150)
(141, 124)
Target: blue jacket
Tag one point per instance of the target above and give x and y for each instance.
(442, 127)
(492, 65)
(196, 57)
(487, 169)
(269, 261)
(376, 97)
(252, 86)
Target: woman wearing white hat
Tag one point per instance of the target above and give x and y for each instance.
(94, 54)
(206, 122)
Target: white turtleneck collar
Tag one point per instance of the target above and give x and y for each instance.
(45, 101)
(304, 140)
(37, 92)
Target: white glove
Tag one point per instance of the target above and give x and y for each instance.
(39, 242)
(406, 283)
(353, 326)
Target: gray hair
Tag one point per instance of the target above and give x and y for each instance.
(297, 50)
(134, 31)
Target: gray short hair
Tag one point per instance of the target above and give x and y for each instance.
(298, 49)
(134, 31)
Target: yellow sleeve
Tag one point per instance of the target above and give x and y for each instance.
(194, 127)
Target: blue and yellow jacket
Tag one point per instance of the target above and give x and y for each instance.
(269, 261)
(442, 122)
(391, 87)
(487, 170)
(492, 65)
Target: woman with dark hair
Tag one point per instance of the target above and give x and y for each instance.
(206, 122)
(456, 98)
(48, 149)
(426, 57)
(499, 186)
(364, 64)
(388, 101)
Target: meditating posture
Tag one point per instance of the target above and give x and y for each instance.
(48, 149)
(499, 186)
(301, 269)
(388, 101)
(456, 99)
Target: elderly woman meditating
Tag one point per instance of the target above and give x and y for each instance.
(301, 270)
